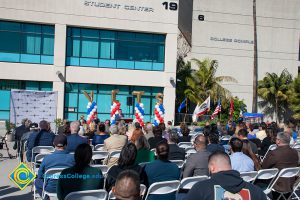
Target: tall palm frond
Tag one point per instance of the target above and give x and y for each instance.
(274, 90)
(204, 82)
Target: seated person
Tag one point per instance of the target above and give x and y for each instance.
(60, 158)
(196, 164)
(224, 183)
(40, 138)
(86, 177)
(185, 135)
(161, 170)
(213, 143)
(153, 141)
(126, 161)
(101, 135)
(115, 142)
(175, 153)
(239, 161)
(127, 186)
(143, 151)
(75, 139)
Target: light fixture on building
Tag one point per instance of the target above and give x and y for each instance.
(60, 76)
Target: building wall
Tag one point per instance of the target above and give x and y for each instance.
(228, 22)
(112, 15)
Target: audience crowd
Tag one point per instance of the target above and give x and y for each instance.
(150, 154)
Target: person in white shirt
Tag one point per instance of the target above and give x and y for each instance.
(239, 161)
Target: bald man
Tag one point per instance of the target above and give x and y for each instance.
(127, 186)
(196, 164)
(224, 183)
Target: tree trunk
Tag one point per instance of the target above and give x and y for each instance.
(255, 65)
(276, 109)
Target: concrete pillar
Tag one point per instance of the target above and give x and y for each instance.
(169, 103)
(59, 66)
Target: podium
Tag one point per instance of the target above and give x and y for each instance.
(127, 120)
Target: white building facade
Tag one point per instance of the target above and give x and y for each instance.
(74, 46)
(223, 30)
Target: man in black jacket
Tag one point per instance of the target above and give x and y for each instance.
(175, 153)
(224, 183)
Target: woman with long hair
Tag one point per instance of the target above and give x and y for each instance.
(126, 161)
(248, 151)
(143, 151)
(81, 176)
(269, 140)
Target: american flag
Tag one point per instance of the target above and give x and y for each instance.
(217, 110)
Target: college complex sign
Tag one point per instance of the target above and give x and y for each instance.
(219, 39)
(116, 6)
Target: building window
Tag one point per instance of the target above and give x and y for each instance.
(7, 85)
(115, 49)
(76, 102)
(26, 43)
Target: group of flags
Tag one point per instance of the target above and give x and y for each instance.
(205, 107)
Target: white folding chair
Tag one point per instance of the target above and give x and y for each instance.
(143, 189)
(185, 144)
(99, 147)
(52, 174)
(115, 154)
(143, 164)
(188, 182)
(271, 148)
(40, 150)
(295, 189)
(99, 155)
(103, 168)
(179, 163)
(92, 146)
(37, 161)
(296, 146)
(248, 176)
(189, 151)
(87, 195)
(266, 174)
(154, 151)
(164, 187)
(284, 173)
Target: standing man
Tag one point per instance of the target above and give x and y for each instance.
(19, 131)
(196, 164)
(120, 115)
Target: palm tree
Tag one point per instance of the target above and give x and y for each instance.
(294, 98)
(274, 91)
(204, 82)
(255, 62)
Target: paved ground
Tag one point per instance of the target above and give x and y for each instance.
(8, 190)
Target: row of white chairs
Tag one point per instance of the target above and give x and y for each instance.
(273, 175)
(187, 183)
(165, 187)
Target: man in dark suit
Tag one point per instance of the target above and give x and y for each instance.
(197, 163)
(74, 139)
(282, 157)
(40, 138)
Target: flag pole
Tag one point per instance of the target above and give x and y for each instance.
(186, 109)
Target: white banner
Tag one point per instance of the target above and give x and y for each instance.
(33, 105)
